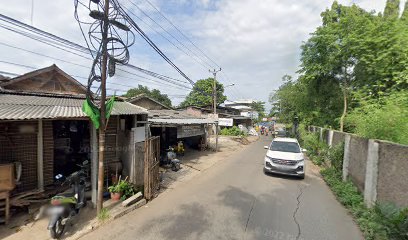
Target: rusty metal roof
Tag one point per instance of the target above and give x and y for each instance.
(176, 117)
(22, 107)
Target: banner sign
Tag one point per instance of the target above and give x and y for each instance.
(190, 131)
(225, 122)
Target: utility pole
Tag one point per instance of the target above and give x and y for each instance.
(104, 63)
(214, 72)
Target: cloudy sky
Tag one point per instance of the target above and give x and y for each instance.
(255, 42)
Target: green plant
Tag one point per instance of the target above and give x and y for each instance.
(123, 187)
(316, 150)
(384, 221)
(232, 131)
(103, 215)
(369, 220)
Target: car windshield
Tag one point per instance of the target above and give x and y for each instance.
(291, 147)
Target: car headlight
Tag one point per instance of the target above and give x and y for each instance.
(268, 159)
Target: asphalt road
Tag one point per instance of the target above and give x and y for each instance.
(235, 200)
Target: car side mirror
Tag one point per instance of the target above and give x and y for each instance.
(304, 150)
(266, 147)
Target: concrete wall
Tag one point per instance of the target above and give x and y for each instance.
(377, 168)
(358, 161)
(392, 184)
(338, 137)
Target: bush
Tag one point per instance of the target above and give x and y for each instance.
(384, 118)
(384, 221)
(347, 194)
(233, 131)
(315, 149)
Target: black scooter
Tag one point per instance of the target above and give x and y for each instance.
(66, 205)
(171, 159)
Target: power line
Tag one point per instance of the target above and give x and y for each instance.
(168, 20)
(149, 41)
(55, 40)
(86, 67)
(187, 38)
(195, 57)
(76, 76)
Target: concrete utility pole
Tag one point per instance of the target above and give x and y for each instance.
(104, 63)
(214, 72)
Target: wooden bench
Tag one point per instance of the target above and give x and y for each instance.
(5, 195)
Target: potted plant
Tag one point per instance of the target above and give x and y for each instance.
(121, 190)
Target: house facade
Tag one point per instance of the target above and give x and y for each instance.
(44, 131)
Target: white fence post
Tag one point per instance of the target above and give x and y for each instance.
(370, 185)
(346, 158)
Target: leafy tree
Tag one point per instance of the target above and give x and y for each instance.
(392, 9)
(259, 106)
(404, 16)
(202, 94)
(154, 93)
(354, 58)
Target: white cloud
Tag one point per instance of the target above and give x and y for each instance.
(254, 41)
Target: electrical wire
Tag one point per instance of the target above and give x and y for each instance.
(188, 39)
(74, 46)
(194, 56)
(149, 41)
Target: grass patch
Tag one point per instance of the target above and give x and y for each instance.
(103, 215)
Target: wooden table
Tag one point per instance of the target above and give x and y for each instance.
(6, 195)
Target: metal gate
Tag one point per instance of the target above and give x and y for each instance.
(151, 167)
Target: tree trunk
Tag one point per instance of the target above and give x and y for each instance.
(344, 107)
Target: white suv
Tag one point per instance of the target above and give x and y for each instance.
(285, 156)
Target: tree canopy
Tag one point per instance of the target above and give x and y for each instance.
(202, 93)
(259, 106)
(154, 93)
(354, 59)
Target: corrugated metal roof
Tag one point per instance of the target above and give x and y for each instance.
(176, 117)
(20, 107)
(181, 121)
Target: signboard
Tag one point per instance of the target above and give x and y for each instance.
(190, 131)
(225, 122)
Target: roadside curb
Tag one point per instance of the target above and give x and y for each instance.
(127, 210)
(123, 212)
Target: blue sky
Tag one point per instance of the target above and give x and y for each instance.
(256, 42)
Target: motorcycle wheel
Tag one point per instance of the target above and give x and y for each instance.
(57, 230)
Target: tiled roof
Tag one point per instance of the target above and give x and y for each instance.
(20, 107)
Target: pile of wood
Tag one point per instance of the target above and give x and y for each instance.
(24, 199)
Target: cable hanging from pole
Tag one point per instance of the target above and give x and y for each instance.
(118, 39)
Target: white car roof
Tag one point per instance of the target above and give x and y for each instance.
(279, 139)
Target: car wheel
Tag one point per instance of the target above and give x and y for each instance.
(302, 176)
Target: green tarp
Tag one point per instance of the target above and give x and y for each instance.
(93, 112)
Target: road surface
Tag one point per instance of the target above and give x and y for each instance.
(235, 200)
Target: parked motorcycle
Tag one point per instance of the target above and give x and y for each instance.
(172, 159)
(66, 205)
